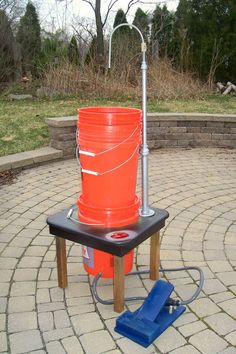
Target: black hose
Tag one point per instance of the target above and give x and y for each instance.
(171, 302)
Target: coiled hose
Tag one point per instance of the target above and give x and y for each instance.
(171, 302)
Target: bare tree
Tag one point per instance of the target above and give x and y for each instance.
(13, 8)
(84, 31)
(161, 31)
(100, 23)
(9, 51)
(185, 47)
(216, 60)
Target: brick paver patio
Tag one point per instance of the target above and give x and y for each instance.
(198, 189)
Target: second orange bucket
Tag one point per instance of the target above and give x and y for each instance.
(109, 139)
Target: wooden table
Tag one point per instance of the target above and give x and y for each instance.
(66, 229)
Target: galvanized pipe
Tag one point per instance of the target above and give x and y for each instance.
(145, 210)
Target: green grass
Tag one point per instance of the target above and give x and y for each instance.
(23, 128)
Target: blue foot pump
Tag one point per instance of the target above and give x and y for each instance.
(157, 312)
(154, 316)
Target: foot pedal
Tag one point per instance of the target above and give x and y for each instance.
(140, 330)
(148, 322)
(155, 300)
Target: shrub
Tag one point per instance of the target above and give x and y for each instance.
(163, 82)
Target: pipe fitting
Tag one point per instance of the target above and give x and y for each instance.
(144, 66)
(144, 151)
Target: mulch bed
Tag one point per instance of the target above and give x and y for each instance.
(8, 177)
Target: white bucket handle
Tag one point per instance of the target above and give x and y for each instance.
(70, 217)
(93, 154)
(94, 173)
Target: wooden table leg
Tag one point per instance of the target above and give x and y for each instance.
(61, 262)
(155, 256)
(119, 284)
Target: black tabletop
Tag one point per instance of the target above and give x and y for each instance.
(116, 241)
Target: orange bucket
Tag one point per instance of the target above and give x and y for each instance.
(108, 139)
(96, 261)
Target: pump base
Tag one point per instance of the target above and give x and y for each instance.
(146, 214)
(152, 318)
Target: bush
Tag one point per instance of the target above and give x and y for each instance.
(163, 82)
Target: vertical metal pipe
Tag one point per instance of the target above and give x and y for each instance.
(144, 149)
(145, 210)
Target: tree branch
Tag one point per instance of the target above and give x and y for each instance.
(13, 8)
(110, 6)
(90, 3)
(155, 2)
(85, 27)
(130, 4)
(79, 35)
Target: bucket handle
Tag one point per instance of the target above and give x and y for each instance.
(94, 173)
(93, 154)
(70, 217)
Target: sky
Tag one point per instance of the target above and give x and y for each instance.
(54, 14)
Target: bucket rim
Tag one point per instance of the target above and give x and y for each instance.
(117, 110)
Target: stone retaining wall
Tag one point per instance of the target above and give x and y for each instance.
(191, 130)
(62, 132)
(164, 130)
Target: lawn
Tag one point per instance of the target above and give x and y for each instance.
(22, 123)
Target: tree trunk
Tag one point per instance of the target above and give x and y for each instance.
(17, 59)
(100, 37)
(155, 50)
